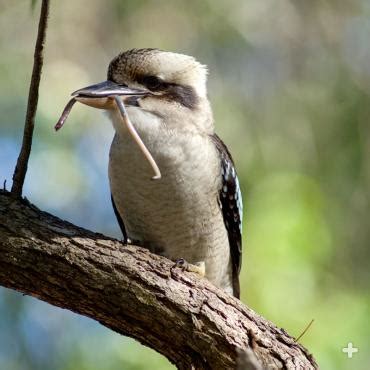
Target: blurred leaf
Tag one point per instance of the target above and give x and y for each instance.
(33, 4)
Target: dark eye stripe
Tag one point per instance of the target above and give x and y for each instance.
(183, 94)
(152, 82)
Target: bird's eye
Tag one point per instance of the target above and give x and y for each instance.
(152, 82)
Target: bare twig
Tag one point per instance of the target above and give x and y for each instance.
(33, 96)
(305, 330)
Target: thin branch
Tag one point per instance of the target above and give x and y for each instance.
(305, 330)
(138, 294)
(33, 97)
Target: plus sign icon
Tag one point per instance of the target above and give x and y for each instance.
(350, 350)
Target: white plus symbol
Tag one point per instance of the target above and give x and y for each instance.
(350, 350)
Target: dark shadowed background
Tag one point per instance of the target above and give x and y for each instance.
(289, 82)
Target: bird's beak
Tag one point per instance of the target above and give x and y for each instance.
(101, 95)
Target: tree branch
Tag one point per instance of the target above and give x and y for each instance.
(136, 293)
(33, 97)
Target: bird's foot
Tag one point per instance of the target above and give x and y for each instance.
(129, 241)
(126, 241)
(198, 267)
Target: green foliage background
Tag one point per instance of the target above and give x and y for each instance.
(289, 82)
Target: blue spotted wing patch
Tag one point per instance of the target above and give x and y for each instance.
(232, 208)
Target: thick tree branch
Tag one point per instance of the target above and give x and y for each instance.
(33, 97)
(135, 293)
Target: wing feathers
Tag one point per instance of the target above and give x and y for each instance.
(232, 209)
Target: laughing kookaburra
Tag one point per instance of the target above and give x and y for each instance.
(194, 211)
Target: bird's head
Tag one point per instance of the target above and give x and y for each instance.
(151, 82)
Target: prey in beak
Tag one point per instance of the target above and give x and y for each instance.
(110, 95)
(101, 95)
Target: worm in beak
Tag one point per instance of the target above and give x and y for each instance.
(108, 95)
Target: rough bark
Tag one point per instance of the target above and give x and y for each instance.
(136, 293)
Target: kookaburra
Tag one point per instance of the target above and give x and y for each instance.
(194, 211)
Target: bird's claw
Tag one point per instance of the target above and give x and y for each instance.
(129, 241)
(198, 267)
(125, 241)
